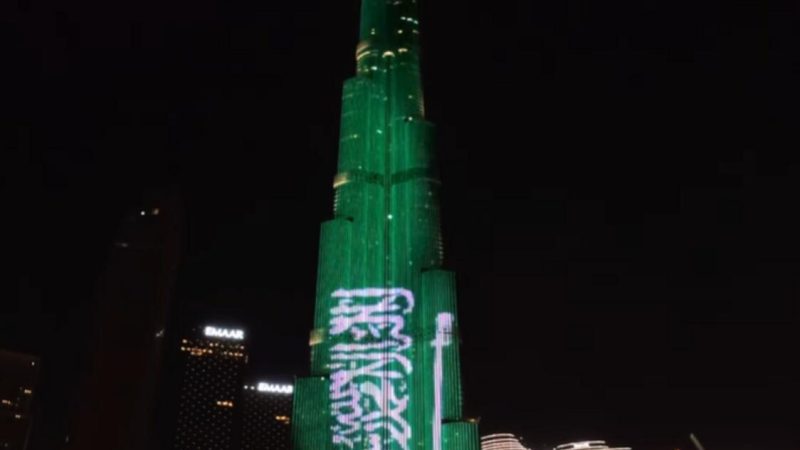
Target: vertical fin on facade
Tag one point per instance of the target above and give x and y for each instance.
(332, 273)
(438, 295)
(310, 417)
(460, 436)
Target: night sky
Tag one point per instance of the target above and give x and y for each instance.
(620, 188)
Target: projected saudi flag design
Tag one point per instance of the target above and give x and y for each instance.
(384, 347)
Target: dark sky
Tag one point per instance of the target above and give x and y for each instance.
(620, 188)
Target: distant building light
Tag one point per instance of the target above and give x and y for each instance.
(224, 333)
(156, 211)
(122, 244)
(160, 333)
(27, 391)
(275, 388)
(142, 213)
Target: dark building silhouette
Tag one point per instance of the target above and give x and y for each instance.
(212, 362)
(266, 415)
(18, 377)
(117, 390)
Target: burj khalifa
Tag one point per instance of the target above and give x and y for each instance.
(385, 369)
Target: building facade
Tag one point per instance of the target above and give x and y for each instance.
(266, 415)
(116, 397)
(384, 345)
(501, 441)
(18, 378)
(212, 365)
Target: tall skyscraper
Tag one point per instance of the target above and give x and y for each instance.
(117, 390)
(266, 416)
(18, 377)
(212, 365)
(384, 347)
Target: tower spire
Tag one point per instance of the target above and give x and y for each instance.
(389, 43)
(390, 21)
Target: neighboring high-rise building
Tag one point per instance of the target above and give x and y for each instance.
(384, 347)
(266, 416)
(18, 377)
(589, 445)
(117, 390)
(212, 365)
(501, 441)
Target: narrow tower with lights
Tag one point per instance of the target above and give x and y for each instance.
(384, 347)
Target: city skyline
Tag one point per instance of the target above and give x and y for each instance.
(624, 242)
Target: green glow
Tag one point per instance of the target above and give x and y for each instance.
(380, 286)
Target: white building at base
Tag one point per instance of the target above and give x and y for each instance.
(589, 445)
(501, 441)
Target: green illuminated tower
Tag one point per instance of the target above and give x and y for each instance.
(384, 348)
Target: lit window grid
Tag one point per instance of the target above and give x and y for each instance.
(266, 420)
(211, 381)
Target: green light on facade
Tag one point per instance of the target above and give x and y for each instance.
(384, 348)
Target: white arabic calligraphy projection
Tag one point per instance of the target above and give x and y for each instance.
(369, 391)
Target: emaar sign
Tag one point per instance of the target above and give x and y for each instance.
(224, 333)
(274, 388)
